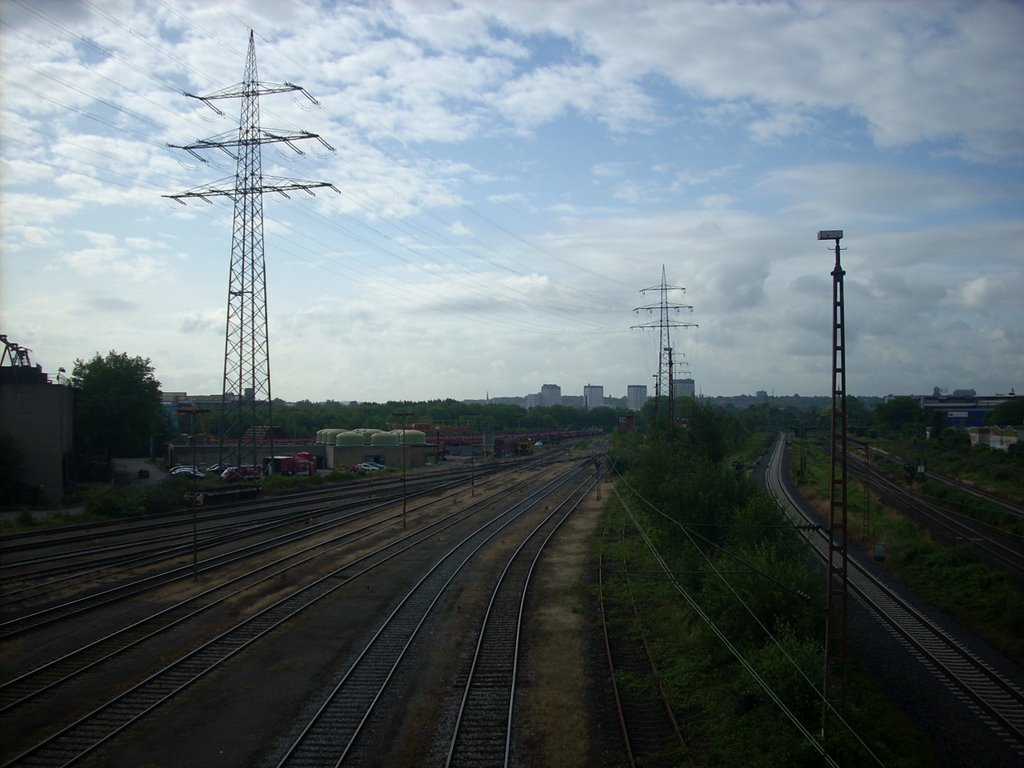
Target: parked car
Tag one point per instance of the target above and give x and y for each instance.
(188, 472)
(366, 466)
(244, 472)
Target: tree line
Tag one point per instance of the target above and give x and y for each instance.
(118, 414)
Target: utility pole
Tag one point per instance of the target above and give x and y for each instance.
(404, 416)
(246, 417)
(834, 687)
(193, 411)
(472, 466)
(664, 324)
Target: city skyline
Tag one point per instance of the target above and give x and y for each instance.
(510, 176)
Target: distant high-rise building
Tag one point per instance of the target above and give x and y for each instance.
(683, 388)
(550, 394)
(534, 401)
(636, 396)
(593, 396)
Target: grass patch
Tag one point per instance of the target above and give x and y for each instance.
(726, 716)
(952, 579)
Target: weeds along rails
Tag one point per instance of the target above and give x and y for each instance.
(995, 699)
(648, 725)
(93, 563)
(1000, 547)
(206, 639)
(1013, 507)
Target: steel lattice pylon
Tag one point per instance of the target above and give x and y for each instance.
(663, 379)
(246, 401)
(246, 423)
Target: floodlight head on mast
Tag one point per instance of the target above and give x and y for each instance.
(830, 234)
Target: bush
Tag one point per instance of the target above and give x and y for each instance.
(115, 502)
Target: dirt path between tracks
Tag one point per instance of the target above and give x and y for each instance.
(559, 695)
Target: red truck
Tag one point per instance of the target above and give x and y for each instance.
(301, 463)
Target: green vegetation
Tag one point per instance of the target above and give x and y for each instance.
(117, 411)
(951, 578)
(284, 483)
(1000, 472)
(304, 418)
(1010, 412)
(735, 559)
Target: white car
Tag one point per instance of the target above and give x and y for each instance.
(187, 472)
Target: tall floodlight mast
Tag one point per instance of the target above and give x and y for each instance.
(246, 422)
(664, 324)
(834, 687)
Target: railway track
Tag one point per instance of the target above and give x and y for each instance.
(54, 555)
(999, 546)
(329, 736)
(484, 724)
(996, 700)
(646, 720)
(1010, 506)
(86, 734)
(228, 542)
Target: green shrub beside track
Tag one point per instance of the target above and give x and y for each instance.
(724, 539)
(953, 579)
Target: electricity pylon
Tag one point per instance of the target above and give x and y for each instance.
(246, 421)
(664, 324)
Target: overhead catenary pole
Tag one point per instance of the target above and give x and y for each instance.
(246, 418)
(834, 685)
(404, 416)
(193, 500)
(472, 466)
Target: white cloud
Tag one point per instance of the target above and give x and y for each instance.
(714, 139)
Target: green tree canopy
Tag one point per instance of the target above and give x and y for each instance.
(117, 406)
(900, 414)
(1008, 413)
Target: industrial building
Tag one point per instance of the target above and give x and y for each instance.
(395, 448)
(37, 418)
(963, 408)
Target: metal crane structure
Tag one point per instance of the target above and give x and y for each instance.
(246, 418)
(14, 353)
(664, 324)
(834, 685)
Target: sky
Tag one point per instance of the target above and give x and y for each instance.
(512, 179)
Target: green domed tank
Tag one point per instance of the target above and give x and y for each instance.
(384, 438)
(349, 439)
(329, 435)
(410, 436)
